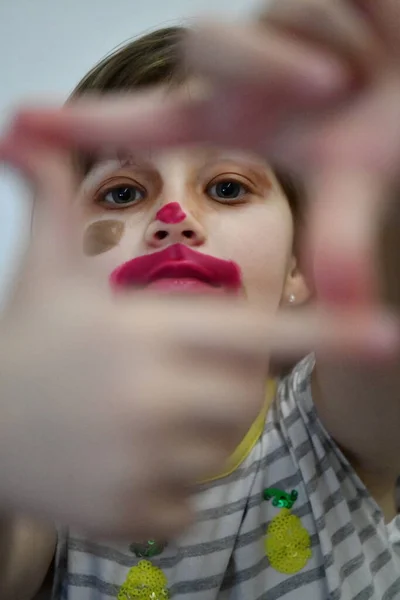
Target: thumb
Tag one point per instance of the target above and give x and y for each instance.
(49, 171)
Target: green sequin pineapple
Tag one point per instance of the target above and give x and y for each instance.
(144, 582)
(287, 542)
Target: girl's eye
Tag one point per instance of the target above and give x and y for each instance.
(122, 196)
(227, 190)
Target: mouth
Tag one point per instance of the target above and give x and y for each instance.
(181, 276)
(178, 269)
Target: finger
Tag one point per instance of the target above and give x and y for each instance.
(350, 137)
(261, 83)
(357, 334)
(345, 218)
(238, 118)
(384, 16)
(248, 55)
(118, 121)
(49, 172)
(335, 26)
(244, 334)
(352, 164)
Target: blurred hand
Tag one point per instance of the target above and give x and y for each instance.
(113, 408)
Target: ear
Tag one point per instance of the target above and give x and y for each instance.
(295, 291)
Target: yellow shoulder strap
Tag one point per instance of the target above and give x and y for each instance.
(251, 437)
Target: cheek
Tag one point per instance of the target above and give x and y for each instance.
(262, 246)
(102, 236)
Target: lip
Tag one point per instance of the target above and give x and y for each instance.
(174, 266)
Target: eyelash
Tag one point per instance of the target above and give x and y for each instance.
(225, 178)
(100, 196)
(229, 178)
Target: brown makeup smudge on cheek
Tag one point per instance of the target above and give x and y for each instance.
(102, 236)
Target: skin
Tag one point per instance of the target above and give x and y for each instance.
(257, 233)
(26, 547)
(171, 213)
(101, 236)
(344, 424)
(256, 230)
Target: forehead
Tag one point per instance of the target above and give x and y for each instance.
(189, 157)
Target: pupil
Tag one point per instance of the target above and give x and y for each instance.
(123, 195)
(228, 189)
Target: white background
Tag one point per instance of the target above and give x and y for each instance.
(46, 46)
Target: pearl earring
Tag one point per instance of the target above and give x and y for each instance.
(292, 299)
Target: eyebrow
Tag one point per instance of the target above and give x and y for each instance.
(98, 170)
(94, 168)
(90, 165)
(89, 162)
(255, 165)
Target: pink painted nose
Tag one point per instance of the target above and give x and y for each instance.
(172, 225)
(171, 213)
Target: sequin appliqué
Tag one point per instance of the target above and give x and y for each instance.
(144, 582)
(287, 542)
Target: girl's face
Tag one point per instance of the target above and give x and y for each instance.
(219, 203)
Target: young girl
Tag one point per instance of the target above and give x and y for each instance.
(294, 514)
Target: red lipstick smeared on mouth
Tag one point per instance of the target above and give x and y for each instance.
(178, 269)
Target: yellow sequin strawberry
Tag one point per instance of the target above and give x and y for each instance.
(144, 582)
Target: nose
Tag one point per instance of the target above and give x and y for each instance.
(172, 225)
